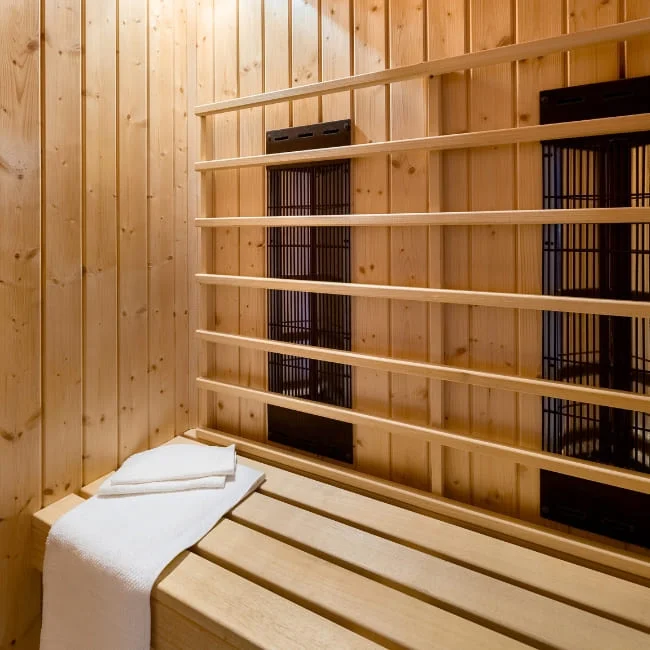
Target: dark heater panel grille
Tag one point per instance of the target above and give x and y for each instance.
(322, 320)
(304, 253)
(597, 261)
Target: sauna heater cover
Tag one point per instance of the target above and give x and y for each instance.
(318, 254)
(609, 261)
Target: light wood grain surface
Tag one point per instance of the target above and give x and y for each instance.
(20, 316)
(94, 267)
(298, 550)
(457, 237)
(607, 474)
(503, 53)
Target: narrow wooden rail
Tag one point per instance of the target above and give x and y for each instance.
(504, 54)
(629, 308)
(605, 474)
(495, 137)
(531, 386)
(474, 218)
(437, 537)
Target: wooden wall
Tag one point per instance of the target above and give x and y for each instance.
(20, 322)
(96, 304)
(94, 338)
(248, 46)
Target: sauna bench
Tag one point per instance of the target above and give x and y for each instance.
(304, 564)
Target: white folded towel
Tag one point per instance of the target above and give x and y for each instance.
(176, 463)
(109, 489)
(103, 558)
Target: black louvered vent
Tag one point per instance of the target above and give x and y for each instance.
(609, 261)
(321, 320)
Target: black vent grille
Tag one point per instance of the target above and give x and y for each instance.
(321, 320)
(609, 261)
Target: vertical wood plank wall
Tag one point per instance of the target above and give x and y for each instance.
(533, 21)
(492, 342)
(100, 240)
(408, 245)
(20, 316)
(97, 247)
(452, 19)
(370, 246)
(308, 40)
(226, 202)
(61, 253)
(94, 331)
(252, 305)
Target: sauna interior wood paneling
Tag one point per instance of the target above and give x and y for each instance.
(94, 297)
(501, 257)
(20, 323)
(96, 308)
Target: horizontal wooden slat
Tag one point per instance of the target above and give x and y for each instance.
(510, 607)
(219, 605)
(450, 537)
(507, 53)
(475, 218)
(496, 137)
(630, 308)
(217, 599)
(385, 615)
(542, 387)
(605, 474)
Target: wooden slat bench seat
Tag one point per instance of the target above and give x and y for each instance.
(199, 604)
(304, 564)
